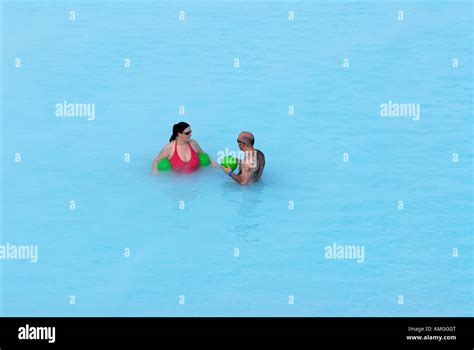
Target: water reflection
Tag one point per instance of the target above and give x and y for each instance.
(249, 211)
(178, 186)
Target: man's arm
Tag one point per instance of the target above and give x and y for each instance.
(243, 177)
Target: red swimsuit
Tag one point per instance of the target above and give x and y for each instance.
(186, 167)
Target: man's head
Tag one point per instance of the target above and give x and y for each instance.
(245, 140)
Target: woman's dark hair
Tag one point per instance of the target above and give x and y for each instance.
(177, 128)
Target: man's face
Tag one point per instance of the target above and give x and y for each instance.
(241, 143)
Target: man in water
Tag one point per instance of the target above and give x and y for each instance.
(251, 167)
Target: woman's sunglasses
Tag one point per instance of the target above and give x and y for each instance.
(187, 133)
(238, 141)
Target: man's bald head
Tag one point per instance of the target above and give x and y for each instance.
(247, 137)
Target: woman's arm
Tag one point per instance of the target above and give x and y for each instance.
(163, 154)
(198, 149)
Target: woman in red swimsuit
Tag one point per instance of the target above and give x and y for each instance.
(181, 151)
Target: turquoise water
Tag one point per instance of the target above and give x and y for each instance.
(335, 169)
